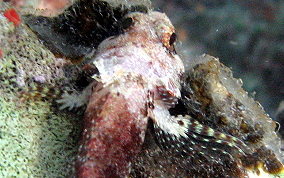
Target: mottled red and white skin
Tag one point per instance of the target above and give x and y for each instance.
(139, 75)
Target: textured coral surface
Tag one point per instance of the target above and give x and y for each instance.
(35, 141)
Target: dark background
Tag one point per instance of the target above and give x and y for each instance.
(247, 35)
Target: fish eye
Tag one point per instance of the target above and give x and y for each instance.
(171, 42)
(277, 127)
(173, 39)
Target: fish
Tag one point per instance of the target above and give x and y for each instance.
(139, 79)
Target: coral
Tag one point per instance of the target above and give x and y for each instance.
(35, 141)
(228, 108)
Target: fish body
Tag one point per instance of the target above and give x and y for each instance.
(133, 67)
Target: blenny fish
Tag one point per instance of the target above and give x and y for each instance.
(139, 79)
